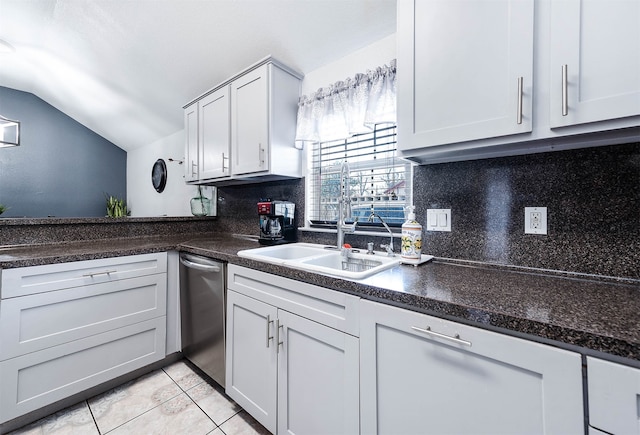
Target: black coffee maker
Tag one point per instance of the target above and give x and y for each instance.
(276, 222)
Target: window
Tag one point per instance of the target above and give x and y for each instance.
(379, 181)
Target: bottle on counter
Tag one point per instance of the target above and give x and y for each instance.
(411, 241)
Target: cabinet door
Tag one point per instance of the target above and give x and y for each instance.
(318, 385)
(464, 70)
(40, 378)
(214, 137)
(421, 374)
(249, 117)
(598, 42)
(191, 142)
(251, 357)
(614, 397)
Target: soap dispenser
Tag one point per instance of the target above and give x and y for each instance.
(411, 242)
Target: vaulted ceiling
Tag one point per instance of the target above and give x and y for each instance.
(125, 68)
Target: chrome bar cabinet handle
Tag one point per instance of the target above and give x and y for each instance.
(269, 323)
(92, 274)
(280, 342)
(455, 339)
(565, 92)
(224, 168)
(519, 111)
(262, 153)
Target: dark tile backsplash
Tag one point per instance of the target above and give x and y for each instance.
(592, 197)
(593, 203)
(238, 209)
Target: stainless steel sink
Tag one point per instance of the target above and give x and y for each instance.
(321, 259)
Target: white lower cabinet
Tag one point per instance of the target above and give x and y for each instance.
(614, 397)
(36, 379)
(68, 327)
(292, 374)
(421, 375)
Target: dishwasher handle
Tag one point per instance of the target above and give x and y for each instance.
(201, 263)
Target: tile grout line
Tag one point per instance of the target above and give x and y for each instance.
(148, 410)
(93, 417)
(186, 391)
(193, 401)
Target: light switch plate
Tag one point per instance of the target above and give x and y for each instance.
(439, 219)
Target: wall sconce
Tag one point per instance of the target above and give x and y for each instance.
(9, 132)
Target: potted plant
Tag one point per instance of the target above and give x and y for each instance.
(116, 207)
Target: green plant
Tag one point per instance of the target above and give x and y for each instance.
(3, 208)
(116, 207)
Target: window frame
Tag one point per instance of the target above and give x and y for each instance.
(389, 159)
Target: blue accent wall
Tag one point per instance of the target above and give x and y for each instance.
(61, 168)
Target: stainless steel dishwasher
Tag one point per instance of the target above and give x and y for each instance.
(203, 299)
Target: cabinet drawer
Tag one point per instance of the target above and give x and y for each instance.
(37, 279)
(37, 379)
(332, 308)
(35, 322)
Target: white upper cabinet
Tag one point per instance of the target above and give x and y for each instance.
(595, 60)
(214, 135)
(250, 128)
(191, 142)
(493, 78)
(245, 128)
(465, 70)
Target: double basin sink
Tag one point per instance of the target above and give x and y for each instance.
(323, 259)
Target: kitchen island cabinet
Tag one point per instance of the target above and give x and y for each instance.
(421, 374)
(67, 327)
(614, 397)
(291, 373)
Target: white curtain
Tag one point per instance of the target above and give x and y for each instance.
(349, 107)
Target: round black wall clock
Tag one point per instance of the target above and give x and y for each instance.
(159, 175)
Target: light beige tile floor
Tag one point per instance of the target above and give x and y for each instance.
(173, 400)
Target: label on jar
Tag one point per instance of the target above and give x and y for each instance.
(411, 242)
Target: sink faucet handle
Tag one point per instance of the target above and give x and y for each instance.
(370, 248)
(388, 248)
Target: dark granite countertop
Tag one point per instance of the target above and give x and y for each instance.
(593, 316)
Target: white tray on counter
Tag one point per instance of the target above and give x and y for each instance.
(417, 261)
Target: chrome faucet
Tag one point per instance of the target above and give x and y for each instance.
(389, 247)
(344, 206)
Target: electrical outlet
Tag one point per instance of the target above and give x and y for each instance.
(535, 220)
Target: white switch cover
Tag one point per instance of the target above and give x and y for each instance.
(439, 219)
(535, 220)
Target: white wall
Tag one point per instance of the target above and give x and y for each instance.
(142, 198)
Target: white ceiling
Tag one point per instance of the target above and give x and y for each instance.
(125, 68)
